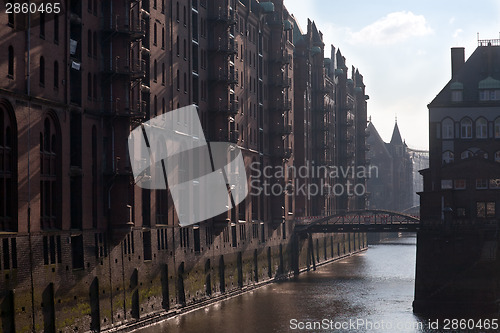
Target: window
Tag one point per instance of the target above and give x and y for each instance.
(163, 6)
(177, 45)
(155, 106)
(466, 154)
(89, 6)
(481, 184)
(461, 212)
(155, 34)
(8, 167)
(163, 105)
(485, 209)
(155, 71)
(185, 16)
(185, 83)
(10, 70)
(163, 38)
(42, 71)
(185, 50)
(163, 73)
(497, 156)
(56, 29)
(466, 128)
(49, 176)
(447, 126)
(497, 128)
(10, 20)
(481, 128)
(456, 95)
(95, 87)
(177, 11)
(89, 43)
(448, 157)
(495, 184)
(178, 79)
(89, 86)
(460, 184)
(95, 45)
(56, 75)
(42, 25)
(446, 184)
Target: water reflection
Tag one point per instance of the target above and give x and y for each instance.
(374, 288)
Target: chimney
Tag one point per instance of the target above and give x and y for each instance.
(457, 60)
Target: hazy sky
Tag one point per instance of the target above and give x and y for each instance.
(402, 48)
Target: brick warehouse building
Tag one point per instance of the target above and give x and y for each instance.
(457, 260)
(82, 247)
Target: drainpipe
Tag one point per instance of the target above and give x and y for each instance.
(28, 92)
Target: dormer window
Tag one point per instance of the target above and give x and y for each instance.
(489, 89)
(457, 89)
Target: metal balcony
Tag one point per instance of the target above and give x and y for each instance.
(225, 75)
(117, 24)
(281, 82)
(223, 15)
(229, 108)
(233, 136)
(283, 58)
(283, 105)
(122, 66)
(118, 108)
(284, 129)
(225, 45)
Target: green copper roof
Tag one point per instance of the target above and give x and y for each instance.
(489, 83)
(339, 71)
(456, 86)
(268, 7)
(350, 82)
(288, 25)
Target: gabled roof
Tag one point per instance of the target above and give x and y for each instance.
(317, 38)
(480, 71)
(375, 139)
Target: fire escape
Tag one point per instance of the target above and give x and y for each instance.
(125, 45)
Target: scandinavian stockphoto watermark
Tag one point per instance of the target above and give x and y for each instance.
(310, 180)
(205, 180)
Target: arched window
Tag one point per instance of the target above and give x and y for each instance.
(497, 156)
(466, 154)
(10, 71)
(42, 25)
(42, 71)
(50, 207)
(155, 106)
(466, 128)
(497, 128)
(155, 71)
(8, 168)
(95, 87)
(163, 73)
(94, 38)
(447, 128)
(161, 195)
(178, 78)
(448, 157)
(56, 29)
(56, 75)
(163, 38)
(155, 34)
(89, 86)
(481, 128)
(89, 43)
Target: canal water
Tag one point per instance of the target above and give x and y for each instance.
(367, 292)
